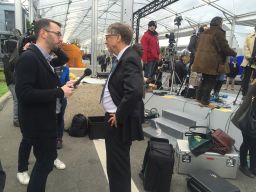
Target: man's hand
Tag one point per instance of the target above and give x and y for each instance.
(26, 46)
(68, 90)
(70, 83)
(112, 120)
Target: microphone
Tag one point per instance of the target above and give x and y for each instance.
(87, 72)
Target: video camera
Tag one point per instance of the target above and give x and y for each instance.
(170, 52)
(177, 20)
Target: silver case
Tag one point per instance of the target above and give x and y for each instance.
(224, 165)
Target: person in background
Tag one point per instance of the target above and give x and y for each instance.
(151, 49)
(249, 135)
(63, 74)
(194, 77)
(194, 41)
(9, 73)
(122, 100)
(181, 68)
(37, 90)
(2, 178)
(210, 59)
(234, 70)
(102, 62)
(249, 61)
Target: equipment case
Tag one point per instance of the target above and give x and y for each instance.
(224, 165)
(96, 127)
(208, 181)
(157, 168)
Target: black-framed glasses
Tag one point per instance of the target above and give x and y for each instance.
(56, 33)
(109, 35)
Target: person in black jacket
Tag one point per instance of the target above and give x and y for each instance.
(249, 135)
(122, 101)
(37, 90)
(10, 81)
(2, 178)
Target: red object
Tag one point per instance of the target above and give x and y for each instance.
(150, 46)
(210, 158)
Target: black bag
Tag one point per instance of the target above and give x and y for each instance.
(157, 167)
(208, 181)
(2, 178)
(188, 93)
(247, 121)
(78, 126)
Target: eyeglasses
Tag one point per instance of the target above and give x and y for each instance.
(109, 35)
(56, 33)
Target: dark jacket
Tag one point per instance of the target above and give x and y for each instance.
(36, 90)
(193, 43)
(8, 70)
(126, 89)
(151, 50)
(212, 52)
(246, 103)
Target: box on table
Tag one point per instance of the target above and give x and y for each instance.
(224, 165)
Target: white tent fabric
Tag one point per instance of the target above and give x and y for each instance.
(75, 17)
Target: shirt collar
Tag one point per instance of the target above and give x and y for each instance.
(121, 53)
(46, 55)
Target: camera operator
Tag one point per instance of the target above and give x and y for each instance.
(210, 58)
(249, 62)
(151, 55)
(194, 78)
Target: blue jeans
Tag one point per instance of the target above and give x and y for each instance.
(149, 69)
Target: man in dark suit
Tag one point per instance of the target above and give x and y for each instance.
(122, 101)
(37, 91)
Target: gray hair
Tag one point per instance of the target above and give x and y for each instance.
(125, 31)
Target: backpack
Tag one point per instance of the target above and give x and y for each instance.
(79, 127)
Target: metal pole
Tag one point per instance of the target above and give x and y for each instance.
(232, 32)
(127, 11)
(18, 15)
(31, 11)
(94, 35)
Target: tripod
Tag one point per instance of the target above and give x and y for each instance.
(171, 59)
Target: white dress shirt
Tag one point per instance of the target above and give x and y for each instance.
(107, 102)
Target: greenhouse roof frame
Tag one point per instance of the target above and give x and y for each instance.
(75, 16)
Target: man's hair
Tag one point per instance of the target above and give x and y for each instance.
(43, 24)
(123, 30)
(201, 28)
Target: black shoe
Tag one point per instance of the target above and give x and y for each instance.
(245, 170)
(141, 175)
(59, 144)
(253, 171)
(16, 123)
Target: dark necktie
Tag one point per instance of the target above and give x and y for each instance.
(113, 68)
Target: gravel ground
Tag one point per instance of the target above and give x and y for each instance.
(85, 100)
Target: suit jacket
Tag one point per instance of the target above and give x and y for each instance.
(36, 90)
(126, 89)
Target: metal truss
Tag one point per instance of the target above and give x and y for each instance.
(146, 10)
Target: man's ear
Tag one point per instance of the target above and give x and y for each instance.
(43, 34)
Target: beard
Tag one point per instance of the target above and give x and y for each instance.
(53, 46)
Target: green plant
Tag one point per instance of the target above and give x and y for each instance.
(3, 86)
